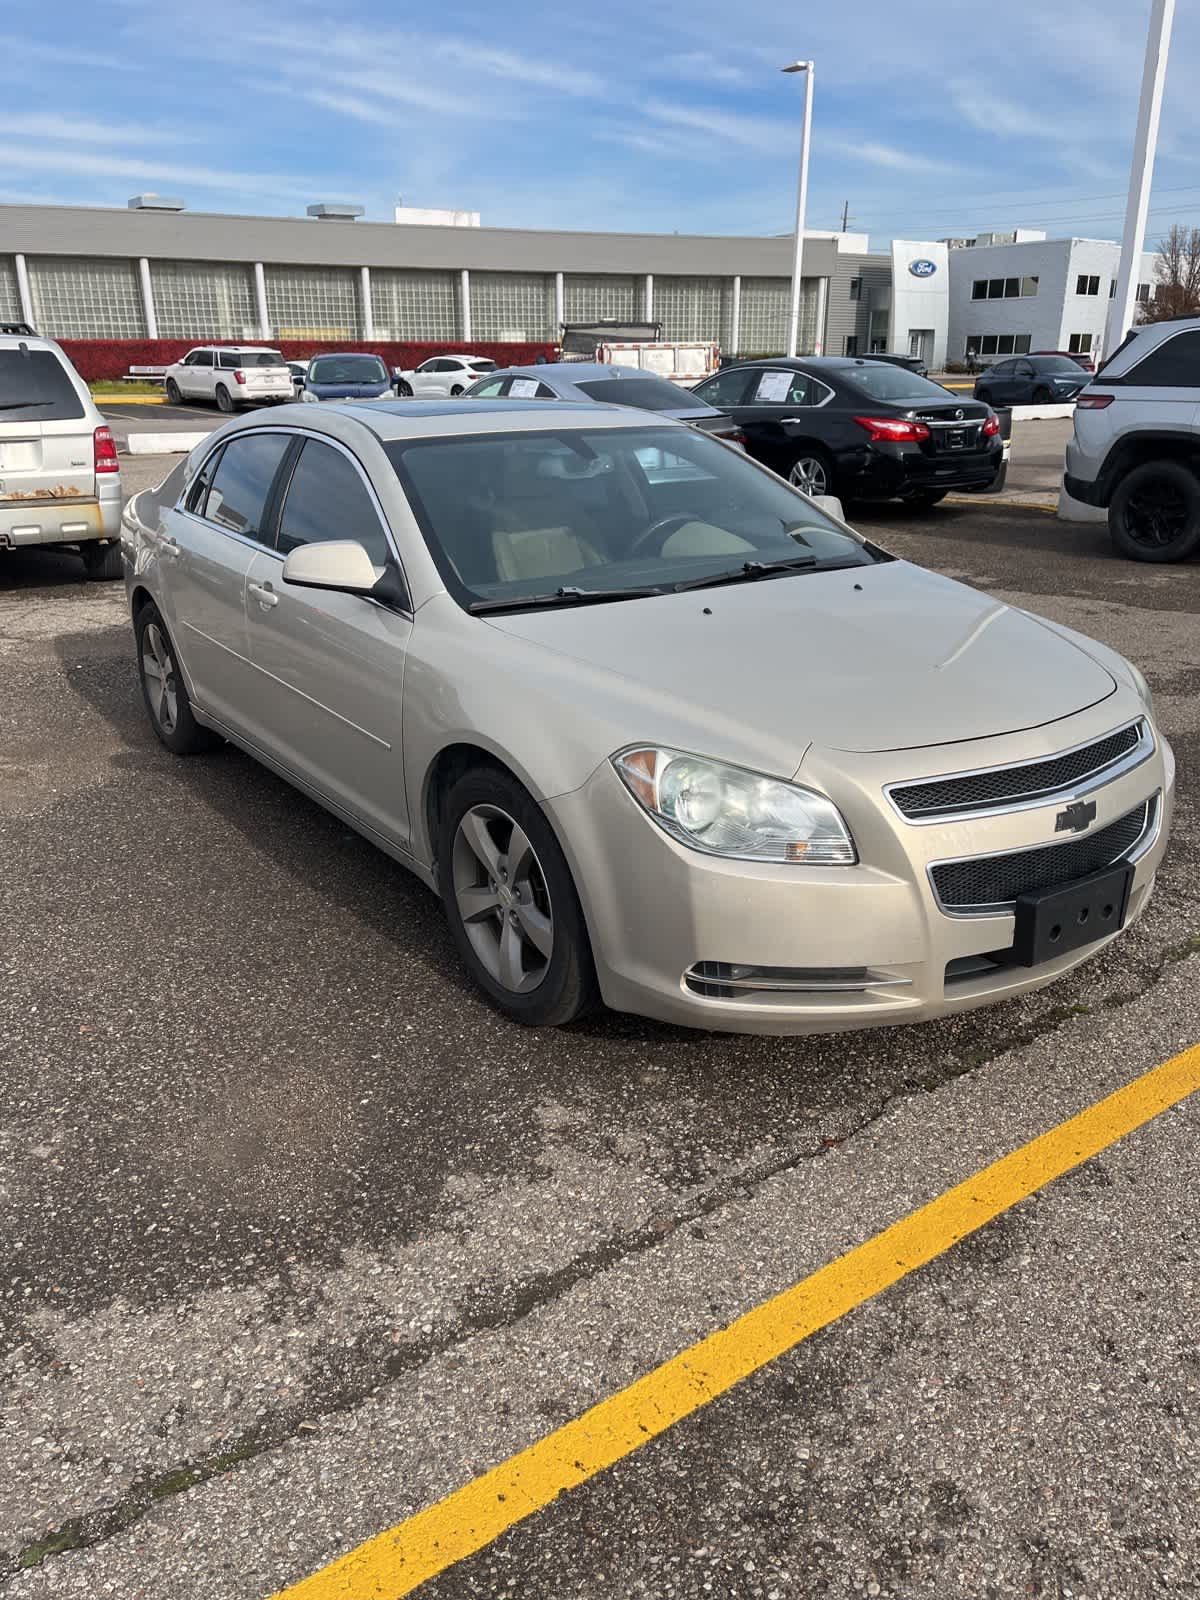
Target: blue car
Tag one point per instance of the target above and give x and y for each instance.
(352, 376)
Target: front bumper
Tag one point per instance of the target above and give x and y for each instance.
(657, 910)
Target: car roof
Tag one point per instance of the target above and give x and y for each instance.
(410, 419)
(810, 363)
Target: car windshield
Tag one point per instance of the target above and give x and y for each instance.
(1062, 364)
(896, 385)
(35, 387)
(261, 358)
(347, 369)
(551, 515)
(647, 394)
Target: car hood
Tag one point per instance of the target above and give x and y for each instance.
(876, 658)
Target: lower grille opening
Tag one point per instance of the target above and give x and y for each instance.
(731, 980)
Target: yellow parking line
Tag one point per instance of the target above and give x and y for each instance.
(398, 1561)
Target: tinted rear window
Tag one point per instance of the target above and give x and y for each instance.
(647, 394)
(1173, 365)
(893, 384)
(481, 364)
(35, 387)
(261, 358)
(1062, 364)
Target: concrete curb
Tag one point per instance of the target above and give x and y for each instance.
(158, 444)
(129, 399)
(1042, 413)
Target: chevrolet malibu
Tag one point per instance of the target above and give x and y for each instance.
(658, 729)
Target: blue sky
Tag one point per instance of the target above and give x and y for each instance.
(931, 118)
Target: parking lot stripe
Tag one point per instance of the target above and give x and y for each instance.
(395, 1563)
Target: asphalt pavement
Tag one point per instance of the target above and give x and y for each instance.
(299, 1236)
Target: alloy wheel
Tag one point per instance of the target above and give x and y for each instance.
(158, 674)
(500, 891)
(1155, 516)
(809, 475)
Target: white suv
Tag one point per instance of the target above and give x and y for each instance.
(1136, 449)
(60, 480)
(441, 376)
(231, 375)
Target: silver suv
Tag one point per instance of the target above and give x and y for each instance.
(1136, 449)
(60, 480)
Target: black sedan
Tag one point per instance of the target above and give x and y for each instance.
(857, 428)
(1031, 381)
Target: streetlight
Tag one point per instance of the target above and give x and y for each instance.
(1145, 143)
(808, 69)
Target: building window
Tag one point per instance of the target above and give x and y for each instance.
(77, 297)
(694, 308)
(851, 344)
(1004, 288)
(765, 309)
(1087, 284)
(1143, 292)
(856, 288)
(604, 296)
(313, 302)
(516, 307)
(1080, 344)
(204, 300)
(411, 304)
(997, 344)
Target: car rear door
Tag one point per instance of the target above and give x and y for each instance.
(1161, 392)
(329, 667)
(207, 547)
(47, 445)
(780, 410)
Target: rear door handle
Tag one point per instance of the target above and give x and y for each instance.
(264, 594)
(169, 547)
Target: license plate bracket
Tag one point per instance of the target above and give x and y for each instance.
(1053, 922)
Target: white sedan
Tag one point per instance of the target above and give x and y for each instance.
(442, 376)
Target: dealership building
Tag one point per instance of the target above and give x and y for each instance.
(158, 271)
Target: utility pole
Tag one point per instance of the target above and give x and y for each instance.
(806, 67)
(1141, 172)
(845, 214)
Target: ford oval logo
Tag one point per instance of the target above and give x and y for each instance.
(922, 268)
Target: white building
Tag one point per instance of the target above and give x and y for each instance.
(1033, 293)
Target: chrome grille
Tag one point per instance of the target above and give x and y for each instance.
(994, 882)
(996, 787)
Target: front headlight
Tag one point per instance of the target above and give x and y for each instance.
(728, 811)
(1145, 692)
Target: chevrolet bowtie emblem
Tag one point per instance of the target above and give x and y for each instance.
(1075, 817)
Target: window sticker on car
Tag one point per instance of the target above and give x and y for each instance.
(773, 387)
(523, 389)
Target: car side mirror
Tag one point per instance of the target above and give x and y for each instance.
(339, 564)
(829, 503)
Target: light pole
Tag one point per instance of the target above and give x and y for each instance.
(807, 68)
(1158, 44)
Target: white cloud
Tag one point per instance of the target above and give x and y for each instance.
(705, 67)
(80, 163)
(43, 125)
(885, 155)
(756, 133)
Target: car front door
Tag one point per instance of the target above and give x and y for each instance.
(203, 375)
(429, 379)
(185, 377)
(1023, 383)
(208, 545)
(329, 667)
(998, 383)
(777, 414)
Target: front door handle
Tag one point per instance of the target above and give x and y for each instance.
(264, 594)
(168, 546)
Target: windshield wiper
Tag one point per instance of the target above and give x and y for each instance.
(22, 405)
(566, 596)
(748, 570)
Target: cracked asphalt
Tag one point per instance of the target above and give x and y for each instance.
(297, 1235)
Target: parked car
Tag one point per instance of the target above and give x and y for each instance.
(354, 375)
(909, 363)
(598, 381)
(858, 428)
(441, 376)
(1082, 358)
(657, 729)
(230, 375)
(60, 479)
(1136, 442)
(1030, 380)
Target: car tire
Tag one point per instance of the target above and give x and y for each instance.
(163, 689)
(1042, 397)
(102, 562)
(225, 401)
(171, 388)
(455, 390)
(811, 471)
(404, 390)
(534, 964)
(1154, 515)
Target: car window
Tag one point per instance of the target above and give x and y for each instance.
(198, 489)
(1004, 369)
(893, 384)
(489, 390)
(430, 366)
(1062, 364)
(511, 515)
(36, 387)
(327, 499)
(726, 389)
(227, 358)
(780, 386)
(479, 364)
(189, 360)
(241, 485)
(259, 358)
(1175, 364)
(203, 358)
(647, 394)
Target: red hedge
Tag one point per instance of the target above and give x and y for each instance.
(112, 358)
